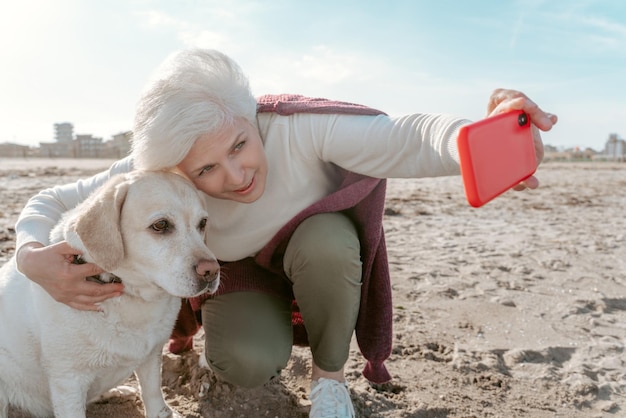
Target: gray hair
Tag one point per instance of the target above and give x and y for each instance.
(195, 92)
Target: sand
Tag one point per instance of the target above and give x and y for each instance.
(515, 309)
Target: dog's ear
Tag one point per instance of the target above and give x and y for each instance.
(98, 223)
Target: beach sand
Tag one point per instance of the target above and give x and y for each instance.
(515, 309)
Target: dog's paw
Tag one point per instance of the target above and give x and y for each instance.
(122, 391)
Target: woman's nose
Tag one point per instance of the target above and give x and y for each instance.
(235, 173)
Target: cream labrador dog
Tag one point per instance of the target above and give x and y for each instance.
(147, 230)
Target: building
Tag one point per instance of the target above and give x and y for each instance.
(68, 145)
(63, 132)
(615, 148)
(63, 146)
(14, 150)
(88, 146)
(119, 146)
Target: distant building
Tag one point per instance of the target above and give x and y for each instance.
(119, 146)
(14, 150)
(56, 150)
(615, 148)
(63, 146)
(552, 153)
(68, 145)
(88, 146)
(63, 132)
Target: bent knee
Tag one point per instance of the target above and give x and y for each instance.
(327, 238)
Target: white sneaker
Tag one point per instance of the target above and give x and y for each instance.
(330, 399)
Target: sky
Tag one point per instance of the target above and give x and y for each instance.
(87, 61)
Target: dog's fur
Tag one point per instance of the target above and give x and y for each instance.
(147, 229)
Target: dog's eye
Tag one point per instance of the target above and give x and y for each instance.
(160, 226)
(202, 224)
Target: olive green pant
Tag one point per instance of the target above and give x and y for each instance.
(249, 335)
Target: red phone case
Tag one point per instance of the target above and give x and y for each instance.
(496, 154)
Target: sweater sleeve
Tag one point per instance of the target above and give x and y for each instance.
(44, 210)
(411, 146)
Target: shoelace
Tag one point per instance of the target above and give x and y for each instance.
(330, 399)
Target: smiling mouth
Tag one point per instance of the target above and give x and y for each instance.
(245, 189)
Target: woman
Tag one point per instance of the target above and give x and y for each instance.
(278, 182)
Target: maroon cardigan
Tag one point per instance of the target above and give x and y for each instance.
(361, 198)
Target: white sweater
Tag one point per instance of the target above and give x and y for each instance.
(302, 152)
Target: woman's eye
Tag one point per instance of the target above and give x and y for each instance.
(206, 169)
(239, 145)
(160, 226)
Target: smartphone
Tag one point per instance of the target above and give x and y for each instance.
(496, 153)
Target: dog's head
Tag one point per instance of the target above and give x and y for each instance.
(148, 228)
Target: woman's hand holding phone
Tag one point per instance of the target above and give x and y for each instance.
(503, 150)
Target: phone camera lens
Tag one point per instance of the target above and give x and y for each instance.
(522, 119)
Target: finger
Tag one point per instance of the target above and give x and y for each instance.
(85, 306)
(543, 120)
(93, 300)
(530, 183)
(99, 291)
(502, 95)
(503, 100)
(517, 103)
(106, 292)
(87, 269)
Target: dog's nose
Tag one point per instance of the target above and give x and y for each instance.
(208, 269)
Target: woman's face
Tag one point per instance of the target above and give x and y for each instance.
(229, 165)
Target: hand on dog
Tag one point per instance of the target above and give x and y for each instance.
(53, 268)
(503, 100)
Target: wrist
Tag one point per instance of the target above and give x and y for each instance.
(22, 253)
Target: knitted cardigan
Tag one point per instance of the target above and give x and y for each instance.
(362, 199)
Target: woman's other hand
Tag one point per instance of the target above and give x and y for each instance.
(54, 268)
